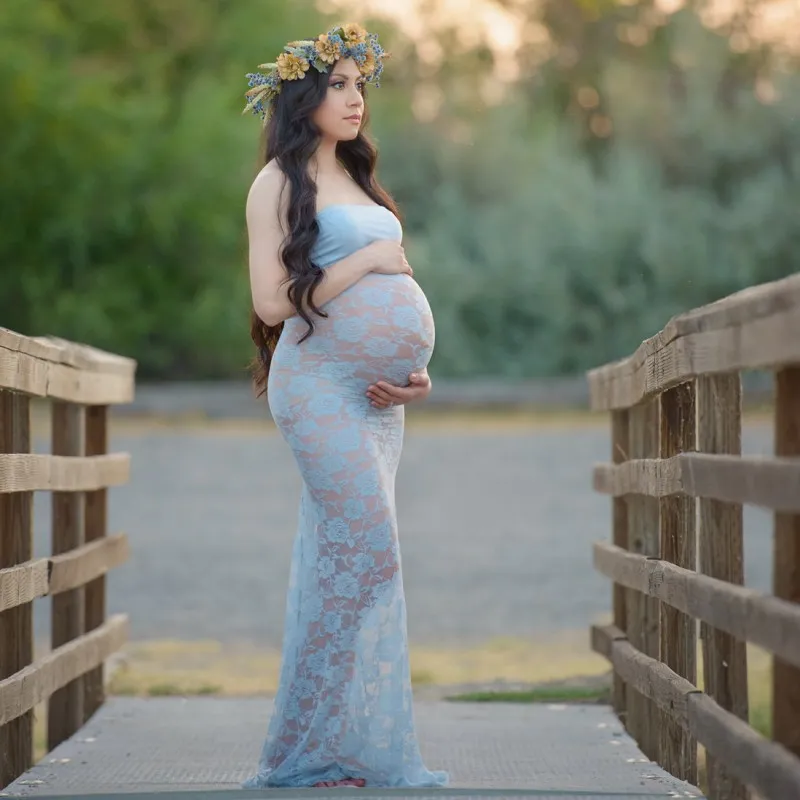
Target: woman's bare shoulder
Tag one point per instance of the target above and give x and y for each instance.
(266, 191)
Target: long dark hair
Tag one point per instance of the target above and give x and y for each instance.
(292, 138)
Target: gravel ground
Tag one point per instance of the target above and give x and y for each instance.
(496, 527)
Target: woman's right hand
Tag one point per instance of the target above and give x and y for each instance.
(387, 257)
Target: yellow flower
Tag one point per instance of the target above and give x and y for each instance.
(368, 67)
(353, 32)
(292, 67)
(327, 50)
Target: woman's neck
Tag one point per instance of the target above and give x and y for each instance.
(325, 160)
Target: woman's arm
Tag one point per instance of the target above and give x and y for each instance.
(266, 216)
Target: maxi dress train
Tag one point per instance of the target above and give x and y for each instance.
(344, 702)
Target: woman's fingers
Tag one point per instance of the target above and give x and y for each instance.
(382, 394)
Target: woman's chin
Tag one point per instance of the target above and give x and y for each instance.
(349, 135)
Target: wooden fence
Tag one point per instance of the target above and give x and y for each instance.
(679, 481)
(81, 383)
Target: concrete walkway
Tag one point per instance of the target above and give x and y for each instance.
(205, 747)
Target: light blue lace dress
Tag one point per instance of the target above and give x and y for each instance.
(344, 703)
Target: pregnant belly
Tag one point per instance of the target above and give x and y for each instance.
(381, 328)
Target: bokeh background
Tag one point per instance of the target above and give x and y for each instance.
(571, 173)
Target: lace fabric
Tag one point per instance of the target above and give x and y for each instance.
(344, 704)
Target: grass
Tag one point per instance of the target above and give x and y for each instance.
(543, 695)
(208, 667)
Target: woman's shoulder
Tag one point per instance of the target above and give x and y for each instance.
(270, 178)
(267, 187)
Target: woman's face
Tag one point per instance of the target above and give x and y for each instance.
(339, 116)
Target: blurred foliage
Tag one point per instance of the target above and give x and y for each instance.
(638, 166)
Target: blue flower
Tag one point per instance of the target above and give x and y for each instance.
(332, 462)
(351, 329)
(325, 404)
(354, 508)
(331, 622)
(406, 317)
(363, 562)
(338, 532)
(346, 585)
(381, 348)
(317, 662)
(367, 483)
(326, 567)
(381, 536)
(347, 439)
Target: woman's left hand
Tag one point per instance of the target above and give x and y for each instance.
(383, 394)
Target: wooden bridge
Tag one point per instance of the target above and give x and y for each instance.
(678, 483)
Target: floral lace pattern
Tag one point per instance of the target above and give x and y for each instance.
(344, 703)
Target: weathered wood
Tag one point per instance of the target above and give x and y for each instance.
(26, 582)
(755, 761)
(65, 710)
(721, 555)
(64, 371)
(61, 667)
(87, 563)
(95, 531)
(758, 328)
(651, 678)
(768, 768)
(620, 451)
(23, 583)
(764, 620)
(642, 611)
(678, 546)
(26, 473)
(767, 482)
(16, 624)
(786, 678)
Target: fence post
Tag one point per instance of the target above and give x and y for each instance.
(678, 546)
(643, 611)
(16, 547)
(65, 711)
(95, 528)
(619, 453)
(721, 555)
(786, 678)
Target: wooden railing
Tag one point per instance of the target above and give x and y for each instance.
(81, 383)
(679, 480)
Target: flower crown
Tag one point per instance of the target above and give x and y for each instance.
(345, 41)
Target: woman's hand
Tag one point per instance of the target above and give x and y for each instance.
(383, 394)
(387, 257)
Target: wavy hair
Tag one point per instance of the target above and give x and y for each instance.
(291, 138)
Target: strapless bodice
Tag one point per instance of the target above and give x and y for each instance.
(345, 228)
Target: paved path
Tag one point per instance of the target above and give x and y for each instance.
(496, 529)
(212, 744)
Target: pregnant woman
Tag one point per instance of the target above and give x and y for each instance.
(344, 335)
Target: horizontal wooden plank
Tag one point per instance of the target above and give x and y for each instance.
(45, 576)
(766, 621)
(64, 370)
(758, 328)
(647, 675)
(63, 351)
(772, 483)
(765, 766)
(23, 472)
(23, 583)
(30, 686)
(757, 762)
(78, 567)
